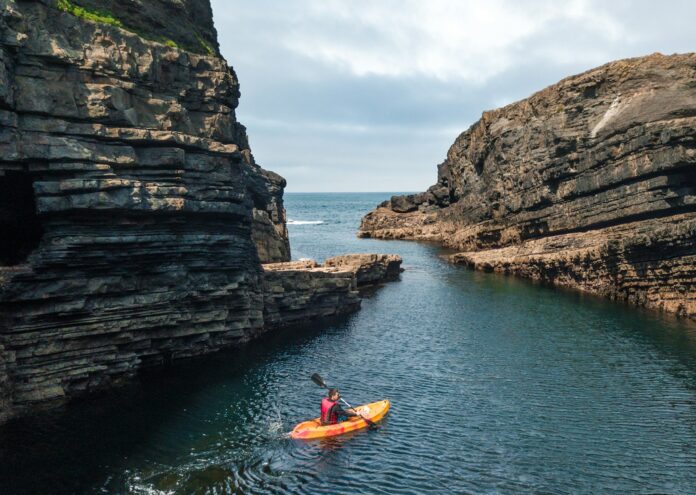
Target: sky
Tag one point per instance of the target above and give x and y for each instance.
(360, 95)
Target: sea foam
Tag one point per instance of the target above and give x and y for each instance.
(304, 222)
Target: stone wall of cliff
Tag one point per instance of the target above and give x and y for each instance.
(133, 215)
(590, 183)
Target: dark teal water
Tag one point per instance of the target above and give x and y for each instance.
(497, 385)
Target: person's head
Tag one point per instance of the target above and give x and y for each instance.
(334, 394)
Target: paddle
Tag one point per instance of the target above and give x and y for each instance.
(320, 381)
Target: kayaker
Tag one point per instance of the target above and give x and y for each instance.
(331, 410)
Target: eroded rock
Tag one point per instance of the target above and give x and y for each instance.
(589, 183)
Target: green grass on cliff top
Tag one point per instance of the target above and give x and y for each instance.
(105, 17)
(90, 15)
(206, 46)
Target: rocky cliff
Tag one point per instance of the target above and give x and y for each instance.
(589, 183)
(133, 216)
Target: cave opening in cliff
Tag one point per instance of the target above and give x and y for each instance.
(20, 227)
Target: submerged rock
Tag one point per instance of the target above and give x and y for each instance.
(589, 183)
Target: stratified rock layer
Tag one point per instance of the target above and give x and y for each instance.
(133, 216)
(296, 293)
(368, 268)
(590, 184)
(301, 291)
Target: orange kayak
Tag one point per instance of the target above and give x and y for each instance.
(311, 429)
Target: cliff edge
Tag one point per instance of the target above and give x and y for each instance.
(589, 183)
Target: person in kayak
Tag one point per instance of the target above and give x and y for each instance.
(331, 410)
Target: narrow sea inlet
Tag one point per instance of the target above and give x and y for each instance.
(497, 386)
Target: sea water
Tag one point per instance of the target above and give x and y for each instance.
(497, 386)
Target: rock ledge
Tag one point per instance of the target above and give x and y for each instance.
(301, 291)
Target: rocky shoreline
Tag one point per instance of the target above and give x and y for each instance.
(588, 184)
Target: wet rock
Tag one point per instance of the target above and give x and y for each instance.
(297, 294)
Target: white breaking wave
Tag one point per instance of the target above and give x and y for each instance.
(304, 222)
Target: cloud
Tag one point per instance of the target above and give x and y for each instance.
(336, 92)
(442, 39)
(349, 129)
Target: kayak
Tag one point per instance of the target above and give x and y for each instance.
(311, 429)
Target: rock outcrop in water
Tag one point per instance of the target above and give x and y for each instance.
(134, 218)
(302, 291)
(589, 183)
(368, 268)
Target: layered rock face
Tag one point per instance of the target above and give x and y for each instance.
(590, 184)
(368, 268)
(133, 216)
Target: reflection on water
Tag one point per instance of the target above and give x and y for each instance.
(497, 386)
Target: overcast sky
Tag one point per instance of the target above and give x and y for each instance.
(360, 95)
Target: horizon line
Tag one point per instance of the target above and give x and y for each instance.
(351, 192)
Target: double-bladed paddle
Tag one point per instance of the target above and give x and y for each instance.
(320, 381)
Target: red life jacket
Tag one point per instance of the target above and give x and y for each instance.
(328, 417)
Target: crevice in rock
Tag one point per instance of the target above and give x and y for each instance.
(638, 217)
(20, 226)
(679, 173)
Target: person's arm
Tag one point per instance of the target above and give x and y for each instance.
(343, 412)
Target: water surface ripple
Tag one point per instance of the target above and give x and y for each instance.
(497, 385)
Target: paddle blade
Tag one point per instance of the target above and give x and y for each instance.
(318, 380)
